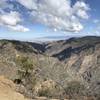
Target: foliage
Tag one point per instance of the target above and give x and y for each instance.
(26, 66)
(44, 92)
(75, 88)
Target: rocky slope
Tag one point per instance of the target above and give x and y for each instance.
(8, 90)
(60, 69)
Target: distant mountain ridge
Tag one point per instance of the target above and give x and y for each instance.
(60, 49)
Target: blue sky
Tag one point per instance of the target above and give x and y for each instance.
(31, 19)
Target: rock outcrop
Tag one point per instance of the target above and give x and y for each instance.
(8, 90)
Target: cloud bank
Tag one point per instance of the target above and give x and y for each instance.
(10, 19)
(59, 15)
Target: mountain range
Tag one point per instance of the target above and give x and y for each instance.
(60, 69)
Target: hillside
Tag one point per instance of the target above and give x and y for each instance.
(7, 90)
(61, 69)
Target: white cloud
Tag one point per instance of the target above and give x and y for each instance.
(31, 4)
(58, 14)
(19, 28)
(80, 9)
(11, 20)
(82, 14)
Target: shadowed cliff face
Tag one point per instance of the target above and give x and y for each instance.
(64, 49)
(60, 63)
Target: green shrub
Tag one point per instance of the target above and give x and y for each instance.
(26, 66)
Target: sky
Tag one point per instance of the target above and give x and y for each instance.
(35, 19)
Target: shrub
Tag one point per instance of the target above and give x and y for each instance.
(26, 66)
(75, 88)
(44, 92)
(26, 76)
